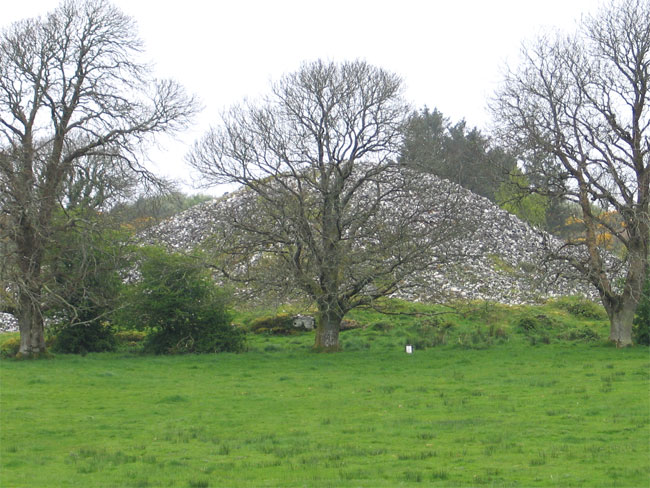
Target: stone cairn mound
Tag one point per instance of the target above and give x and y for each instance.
(504, 259)
(8, 323)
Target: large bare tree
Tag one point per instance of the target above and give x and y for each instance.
(583, 101)
(72, 87)
(325, 209)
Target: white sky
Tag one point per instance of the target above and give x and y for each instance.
(450, 53)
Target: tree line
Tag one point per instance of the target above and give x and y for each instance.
(328, 158)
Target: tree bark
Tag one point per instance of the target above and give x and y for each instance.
(327, 330)
(621, 319)
(30, 323)
(30, 289)
(622, 308)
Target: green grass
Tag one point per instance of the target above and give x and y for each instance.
(493, 396)
(563, 414)
(474, 326)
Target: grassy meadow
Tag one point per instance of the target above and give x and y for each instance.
(485, 400)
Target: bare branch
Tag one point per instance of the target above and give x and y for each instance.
(72, 90)
(582, 101)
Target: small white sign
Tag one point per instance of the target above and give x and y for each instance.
(409, 349)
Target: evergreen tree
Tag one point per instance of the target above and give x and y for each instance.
(452, 151)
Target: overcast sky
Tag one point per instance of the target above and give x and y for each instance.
(450, 54)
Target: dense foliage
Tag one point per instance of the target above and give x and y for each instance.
(454, 152)
(514, 195)
(87, 255)
(78, 107)
(84, 338)
(176, 299)
(273, 324)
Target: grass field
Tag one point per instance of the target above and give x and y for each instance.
(497, 396)
(509, 415)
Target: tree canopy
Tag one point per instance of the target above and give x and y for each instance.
(433, 144)
(577, 107)
(325, 209)
(72, 88)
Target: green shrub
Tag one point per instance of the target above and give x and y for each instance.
(537, 322)
(581, 307)
(527, 324)
(538, 328)
(130, 336)
(131, 340)
(585, 333)
(280, 324)
(85, 262)
(641, 330)
(82, 338)
(207, 333)
(179, 303)
(10, 347)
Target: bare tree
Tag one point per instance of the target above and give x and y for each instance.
(71, 87)
(583, 101)
(325, 209)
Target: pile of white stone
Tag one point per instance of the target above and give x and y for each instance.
(503, 261)
(8, 323)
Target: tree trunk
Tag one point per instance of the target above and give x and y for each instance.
(622, 308)
(30, 323)
(327, 330)
(30, 288)
(621, 320)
